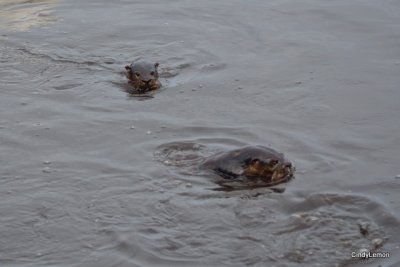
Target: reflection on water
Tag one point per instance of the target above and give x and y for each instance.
(93, 177)
(319, 229)
(21, 15)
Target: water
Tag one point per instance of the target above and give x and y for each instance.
(83, 176)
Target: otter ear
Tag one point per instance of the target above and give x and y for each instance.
(254, 161)
(156, 65)
(251, 161)
(127, 67)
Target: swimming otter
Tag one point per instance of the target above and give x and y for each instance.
(251, 165)
(143, 75)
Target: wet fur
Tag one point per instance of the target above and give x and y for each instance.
(140, 85)
(260, 166)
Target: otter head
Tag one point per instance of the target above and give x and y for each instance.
(143, 75)
(271, 170)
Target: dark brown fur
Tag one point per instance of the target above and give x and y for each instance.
(143, 76)
(257, 163)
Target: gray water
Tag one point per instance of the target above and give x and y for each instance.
(91, 176)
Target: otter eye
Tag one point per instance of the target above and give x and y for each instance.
(273, 162)
(137, 73)
(255, 161)
(152, 73)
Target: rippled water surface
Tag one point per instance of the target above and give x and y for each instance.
(93, 176)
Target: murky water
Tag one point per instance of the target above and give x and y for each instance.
(91, 176)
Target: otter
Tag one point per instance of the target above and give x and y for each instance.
(251, 165)
(143, 76)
